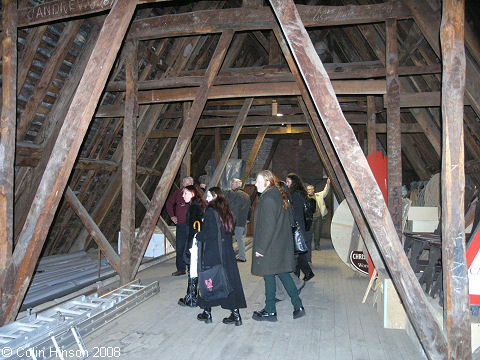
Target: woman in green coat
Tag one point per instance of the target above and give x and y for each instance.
(273, 246)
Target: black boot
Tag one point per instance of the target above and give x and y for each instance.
(205, 316)
(193, 292)
(187, 299)
(234, 318)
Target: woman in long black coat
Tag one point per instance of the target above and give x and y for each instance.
(208, 246)
(195, 212)
(298, 194)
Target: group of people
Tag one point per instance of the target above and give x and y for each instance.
(224, 214)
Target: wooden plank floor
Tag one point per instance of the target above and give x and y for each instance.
(337, 325)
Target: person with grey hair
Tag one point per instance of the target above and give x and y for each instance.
(177, 210)
(239, 203)
(203, 182)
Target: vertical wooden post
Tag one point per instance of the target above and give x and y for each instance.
(7, 128)
(361, 179)
(160, 195)
(456, 309)
(394, 130)
(231, 142)
(185, 167)
(218, 147)
(127, 218)
(371, 131)
(14, 280)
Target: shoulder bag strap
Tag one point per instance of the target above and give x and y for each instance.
(219, 237)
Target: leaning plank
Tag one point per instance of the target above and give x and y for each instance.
(127, 217)
(102, 242)
(456, 309)
(160, 195)
(242, 19)
(242, 115)
(361, 178)
(394, 132)
(14, 280)
(254, 152)
(161, 223)
(7, 128)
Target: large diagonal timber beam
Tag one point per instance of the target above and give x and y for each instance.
(102, 242)
(362, 180)
(14, 280)
(242, 115)
(429, 23)
(329, 158)
(456, 308)
(7, 128)
(243, 19)
(160, 195)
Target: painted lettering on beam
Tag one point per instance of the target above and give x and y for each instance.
(56, 9)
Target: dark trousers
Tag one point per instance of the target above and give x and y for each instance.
(180, 241)
(308, 240)
(302, 264)
(317, 231)
(270, 290)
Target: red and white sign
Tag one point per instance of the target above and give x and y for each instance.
(473, 264)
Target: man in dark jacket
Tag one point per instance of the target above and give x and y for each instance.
(239, 202)
(177, 210)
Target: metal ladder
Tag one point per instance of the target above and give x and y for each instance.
(52, 333)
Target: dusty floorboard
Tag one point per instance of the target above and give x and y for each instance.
(337, 325)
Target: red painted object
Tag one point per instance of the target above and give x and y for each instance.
(378, 165)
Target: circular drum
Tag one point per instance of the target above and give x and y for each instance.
(347, 241)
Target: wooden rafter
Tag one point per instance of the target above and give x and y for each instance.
(14, 280)
(7, 129)
(360, 177)
(254, 152)
(242, 115)
(242, 19)
(429, 23)
(394, 131)
(103, 244)
(456, 309)
(129, 161)
(160, 195)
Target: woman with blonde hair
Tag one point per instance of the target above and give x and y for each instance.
(272, 252)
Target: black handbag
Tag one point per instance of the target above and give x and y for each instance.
(300, 245)
(213, 282)
(299, 237)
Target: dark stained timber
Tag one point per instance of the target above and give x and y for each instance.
(456, 309)
(14, 280)
(361, 179)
